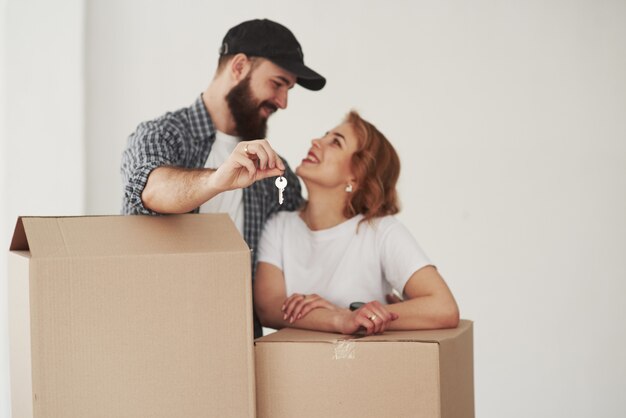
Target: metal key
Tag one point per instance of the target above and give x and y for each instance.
(281, 183)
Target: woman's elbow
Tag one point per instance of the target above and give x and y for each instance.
(450, 316)
(261, 314)
(265, 318)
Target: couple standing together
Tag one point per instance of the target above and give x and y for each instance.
(310, 259)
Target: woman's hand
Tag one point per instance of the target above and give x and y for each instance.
(249, 162)
(297, 306)
(373, 316)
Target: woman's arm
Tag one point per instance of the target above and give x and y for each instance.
(270, 300)
(431, 305)
(270, 295)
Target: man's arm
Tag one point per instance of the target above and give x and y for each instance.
(179, 190)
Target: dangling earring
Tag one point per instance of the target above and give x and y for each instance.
(349, 188)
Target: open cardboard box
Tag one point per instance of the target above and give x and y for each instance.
(397, 374)
(130, 316)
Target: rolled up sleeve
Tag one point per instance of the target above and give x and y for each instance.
(148, 148)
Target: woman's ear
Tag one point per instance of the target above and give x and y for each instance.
(239, 67)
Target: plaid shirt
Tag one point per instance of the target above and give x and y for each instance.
(184, 139)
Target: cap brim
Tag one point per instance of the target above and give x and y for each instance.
(306, 77)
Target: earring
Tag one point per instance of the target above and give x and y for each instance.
(349, 188)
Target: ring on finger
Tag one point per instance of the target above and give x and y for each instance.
(245, 149)
(372, 317)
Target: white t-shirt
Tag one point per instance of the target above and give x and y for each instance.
(339, 263)
(230, 201)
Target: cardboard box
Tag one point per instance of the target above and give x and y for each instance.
(130, 316)
(397, 374)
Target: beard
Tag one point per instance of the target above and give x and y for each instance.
(246, 111)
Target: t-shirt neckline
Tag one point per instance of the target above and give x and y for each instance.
(332, 232)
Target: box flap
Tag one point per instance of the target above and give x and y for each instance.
(19, 242)
(126, 235)
(298, 335)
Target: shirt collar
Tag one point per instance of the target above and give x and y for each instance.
(201, 123)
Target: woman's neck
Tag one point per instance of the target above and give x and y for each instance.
(324, 209)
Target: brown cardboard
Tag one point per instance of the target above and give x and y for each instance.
(397, 374)
(130, 316)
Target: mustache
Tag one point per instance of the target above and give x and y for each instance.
(269, 105)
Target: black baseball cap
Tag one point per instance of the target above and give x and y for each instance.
(271, 40)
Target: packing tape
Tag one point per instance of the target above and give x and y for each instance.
(344, 350)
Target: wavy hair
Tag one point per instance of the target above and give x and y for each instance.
(376, 166)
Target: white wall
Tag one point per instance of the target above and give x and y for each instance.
(509, 118)
(42, 139)
(4, 332)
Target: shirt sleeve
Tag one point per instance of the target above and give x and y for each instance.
(401, 255)
(148, 148)
(270, 249)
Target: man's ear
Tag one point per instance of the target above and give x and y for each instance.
(239, 67)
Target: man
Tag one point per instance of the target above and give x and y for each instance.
(208, 157)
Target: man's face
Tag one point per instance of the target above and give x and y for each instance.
(251, 102)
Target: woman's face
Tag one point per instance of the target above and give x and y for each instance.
(328, 162)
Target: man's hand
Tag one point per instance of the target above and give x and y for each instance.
(249, 162)
(181, 190)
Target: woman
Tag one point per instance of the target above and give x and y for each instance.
(345, 246)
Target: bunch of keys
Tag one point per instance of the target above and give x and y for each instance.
(281, 183)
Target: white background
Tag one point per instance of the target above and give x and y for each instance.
(509, 116)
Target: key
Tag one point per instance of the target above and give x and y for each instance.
(281, 183)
